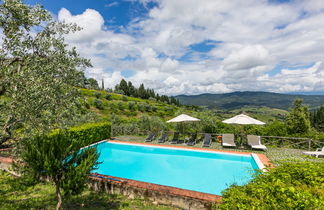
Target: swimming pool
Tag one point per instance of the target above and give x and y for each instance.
(202, 171)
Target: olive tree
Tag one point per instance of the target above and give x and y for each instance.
(38, 76)
(38, 71)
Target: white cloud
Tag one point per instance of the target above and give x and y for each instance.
(254, 36)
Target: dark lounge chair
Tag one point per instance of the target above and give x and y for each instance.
(207, 140)
(164, 137)
(175, 139)
(192, 140)
(150, 137)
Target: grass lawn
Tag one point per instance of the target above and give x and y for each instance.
(15, 194)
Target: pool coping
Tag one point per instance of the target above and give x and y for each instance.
(260, 159)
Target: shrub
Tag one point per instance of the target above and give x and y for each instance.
(147, 107)
(108, 97)
(98, 104)
(131, 105)
(90, 133)
(140, 107)
(124, 98)
(87, 105)
(291, 185)
(147, 123)
(97, 94)
(120, 106)
(154, 108)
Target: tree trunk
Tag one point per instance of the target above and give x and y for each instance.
(59, 196)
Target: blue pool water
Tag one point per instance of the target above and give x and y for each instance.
(206, 172)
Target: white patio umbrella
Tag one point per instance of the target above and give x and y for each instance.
(183, 118)
(243, 119)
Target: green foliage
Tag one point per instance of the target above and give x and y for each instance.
(120, 106)
(147, 123)
(91, 84)
(108, 97)
(147, 107)
(90, 133)
(124, 98)
(291, 185)
(97, 94)
(98, 104)
(16, 194)
(59, 159)
(38, 70)
(131, 105)
(317, 119)
(275, 128)
(297, 121)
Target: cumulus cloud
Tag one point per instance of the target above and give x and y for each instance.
(252, 37)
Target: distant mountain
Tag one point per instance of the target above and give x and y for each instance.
(238, 100)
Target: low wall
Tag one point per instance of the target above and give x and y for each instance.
(157, 194)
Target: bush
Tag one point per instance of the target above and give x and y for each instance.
(147, 123)
(131, 105)
(124, 98)
(120, 106)
(291, 185)
(140, 107)
(98, 104)
(147, 107)
(108, 97)
(154, 108)
(89, 133)
(97, 94)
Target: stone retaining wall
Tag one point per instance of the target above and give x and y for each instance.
(157, 194)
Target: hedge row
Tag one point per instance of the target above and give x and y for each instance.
(89, 133)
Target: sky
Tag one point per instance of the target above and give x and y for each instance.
(193, 47)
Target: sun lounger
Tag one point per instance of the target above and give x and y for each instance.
(192, 140)
(255, 142)
(207, 140)
(175, 139)
(228, 140)
(164, 137)
(318, 152)
(150, 137)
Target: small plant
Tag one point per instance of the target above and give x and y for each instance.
(97, 94)
(98, 104)
(154, 108)
(108, 97)
(124, 98)
(147, 107)
(140, 107)
(131, 105)
(87, 105)
(120, 106)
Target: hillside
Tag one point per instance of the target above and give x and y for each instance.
(125, 107)
(237, 100)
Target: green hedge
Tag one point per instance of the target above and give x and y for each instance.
(89, 133)
(291, 185)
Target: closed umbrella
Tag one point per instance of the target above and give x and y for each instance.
(243, 119)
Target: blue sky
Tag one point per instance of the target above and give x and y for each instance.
(193, 47)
